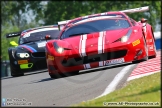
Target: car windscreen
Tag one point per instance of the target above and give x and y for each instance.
(95, 26)
(39, 36)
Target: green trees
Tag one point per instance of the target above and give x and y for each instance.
(65, 10)
(15, 16)
(20, 15)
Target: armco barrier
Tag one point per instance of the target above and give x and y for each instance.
(5, 68)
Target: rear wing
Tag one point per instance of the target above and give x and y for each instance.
(141, 9)
(14, 34)
(61, 24)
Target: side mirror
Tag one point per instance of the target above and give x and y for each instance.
(47, 37)
(143, 20)
(13, 43)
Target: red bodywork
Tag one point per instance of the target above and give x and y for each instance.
(91, 50)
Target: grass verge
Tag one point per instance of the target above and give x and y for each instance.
(145, 91)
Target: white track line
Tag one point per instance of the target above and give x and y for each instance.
(111, 87)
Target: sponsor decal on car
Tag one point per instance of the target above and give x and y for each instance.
(151, 47)
(50, 57)
(114, 61)
(22, 61)
(136, 42)
(31, 49)
(41, 44)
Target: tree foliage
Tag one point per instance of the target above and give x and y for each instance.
(65, 10)
(15, 16)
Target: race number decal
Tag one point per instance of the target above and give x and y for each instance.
(41, 44)
(114, 61)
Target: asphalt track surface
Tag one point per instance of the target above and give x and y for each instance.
(41, 90)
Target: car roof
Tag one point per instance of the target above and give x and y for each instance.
(41, 27)
(111, 13)
(100, 14)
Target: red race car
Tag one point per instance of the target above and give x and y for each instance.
(100, 40)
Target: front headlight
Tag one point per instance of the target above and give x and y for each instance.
(23, 55)
(58, 49)
(124, 39)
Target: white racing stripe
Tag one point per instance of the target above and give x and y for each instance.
(80, 44)
(101, 41)
(111, 87)
(82, 49)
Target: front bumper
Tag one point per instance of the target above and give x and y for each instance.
(27, 65)
(124, 52)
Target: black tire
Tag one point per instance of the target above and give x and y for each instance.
(55, 76)
(70, 73)
(15, 71)
(17, 75)
(75, 73)
(146, 50)
(60, 75)
(154, 56)
(137, 61)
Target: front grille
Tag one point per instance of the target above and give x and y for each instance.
(38, 54)
(41, 64)
(94, 58)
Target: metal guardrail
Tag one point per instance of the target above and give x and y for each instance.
(5, 67)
